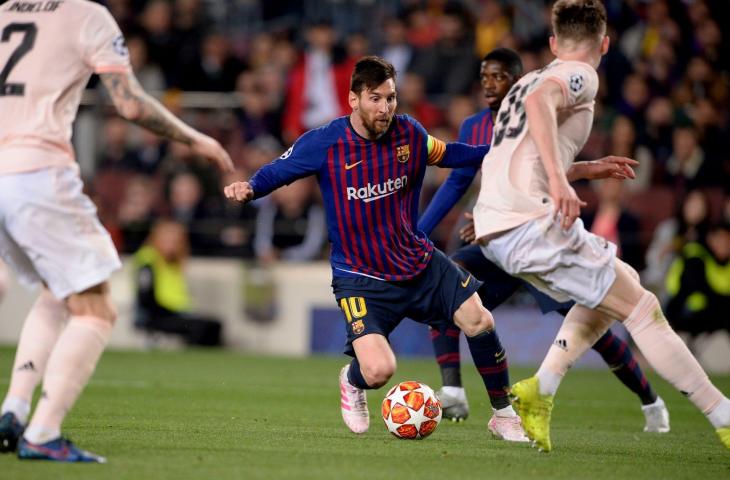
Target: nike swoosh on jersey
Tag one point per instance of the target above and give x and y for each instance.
(352, 165)
(466, 282)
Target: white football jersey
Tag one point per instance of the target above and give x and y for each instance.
(514, 185)
(48, 51)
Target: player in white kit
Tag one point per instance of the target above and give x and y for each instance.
(526, 219)
(49, 230)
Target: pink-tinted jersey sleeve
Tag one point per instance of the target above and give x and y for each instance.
(102, 43)
(578, 81)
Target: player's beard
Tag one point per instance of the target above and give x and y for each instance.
(375, 128)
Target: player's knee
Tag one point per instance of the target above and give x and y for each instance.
(377, 373)
(632, 272)
(472, 318)
(94, 302)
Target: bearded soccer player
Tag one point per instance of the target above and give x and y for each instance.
(49, 231)
(526, 220)
(370, 167)
(500, 69)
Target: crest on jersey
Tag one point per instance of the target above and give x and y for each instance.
(120, 46)
(286, 154)
(403, 153)
(576, 82)
(358, 327)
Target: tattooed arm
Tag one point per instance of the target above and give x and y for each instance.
(134, 104)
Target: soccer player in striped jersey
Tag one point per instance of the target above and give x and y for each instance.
(500, 69)
(370, 167)
(527, 221)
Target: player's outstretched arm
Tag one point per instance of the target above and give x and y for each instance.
(620, 168)
(135, 105)
(541, 107)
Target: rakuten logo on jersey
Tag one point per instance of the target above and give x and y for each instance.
(375, 191)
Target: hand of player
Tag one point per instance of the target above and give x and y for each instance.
(611, 166)
(239, 191)
(467, 233)
(210, 149)
(566, 202)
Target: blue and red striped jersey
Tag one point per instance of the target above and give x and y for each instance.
(474, 130)
(370, 191)
(477, 129)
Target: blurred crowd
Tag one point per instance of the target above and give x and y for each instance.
(664, 100)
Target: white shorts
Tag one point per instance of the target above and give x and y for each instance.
(566, 265)
(49, 231)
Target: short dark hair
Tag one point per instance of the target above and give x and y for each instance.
(369, 72)
(579, 20)
(507, 57)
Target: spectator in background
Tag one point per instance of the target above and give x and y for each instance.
(614, 223)
(698, 284)
(117, 155)
(688, 167)
(163, 301)
(232, 223)
(149, 74)
(657, 132)
(412, 101)
(255, 116)
(136, 212)
(156, 24)
(689, 224)
(187, 207)
(318, 84)
(635, 97)
(290, 224)
(450, 65)
(423, 29)
(396, 49)
(623, 143)
(492, 26)
(217, 69)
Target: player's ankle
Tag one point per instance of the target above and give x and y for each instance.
(454, 391)
(719, 416)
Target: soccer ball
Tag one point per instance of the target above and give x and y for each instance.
(411, 410)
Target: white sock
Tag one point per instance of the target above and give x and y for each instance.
(549, 381)
(507, 411)
(39, 435)
(581, 328)
(457, 392)
(657, 403)
(41, 330)
(70, 366)
(18, 407)
(719, 417)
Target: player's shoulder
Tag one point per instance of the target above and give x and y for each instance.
(575, 67)
(406, 121)
(476, 117)
(324, 135)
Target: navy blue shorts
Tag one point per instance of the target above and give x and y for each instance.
(377, 306)
(497, 285)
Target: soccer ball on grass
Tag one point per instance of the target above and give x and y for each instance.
(411, 410)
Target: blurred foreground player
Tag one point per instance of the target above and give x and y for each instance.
(49, 231)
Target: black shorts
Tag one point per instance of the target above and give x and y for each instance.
(377, 306)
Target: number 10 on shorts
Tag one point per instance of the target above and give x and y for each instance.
(354, 307)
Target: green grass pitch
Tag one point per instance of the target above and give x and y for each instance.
(220, 415)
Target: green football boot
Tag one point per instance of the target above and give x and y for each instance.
(535, 411)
